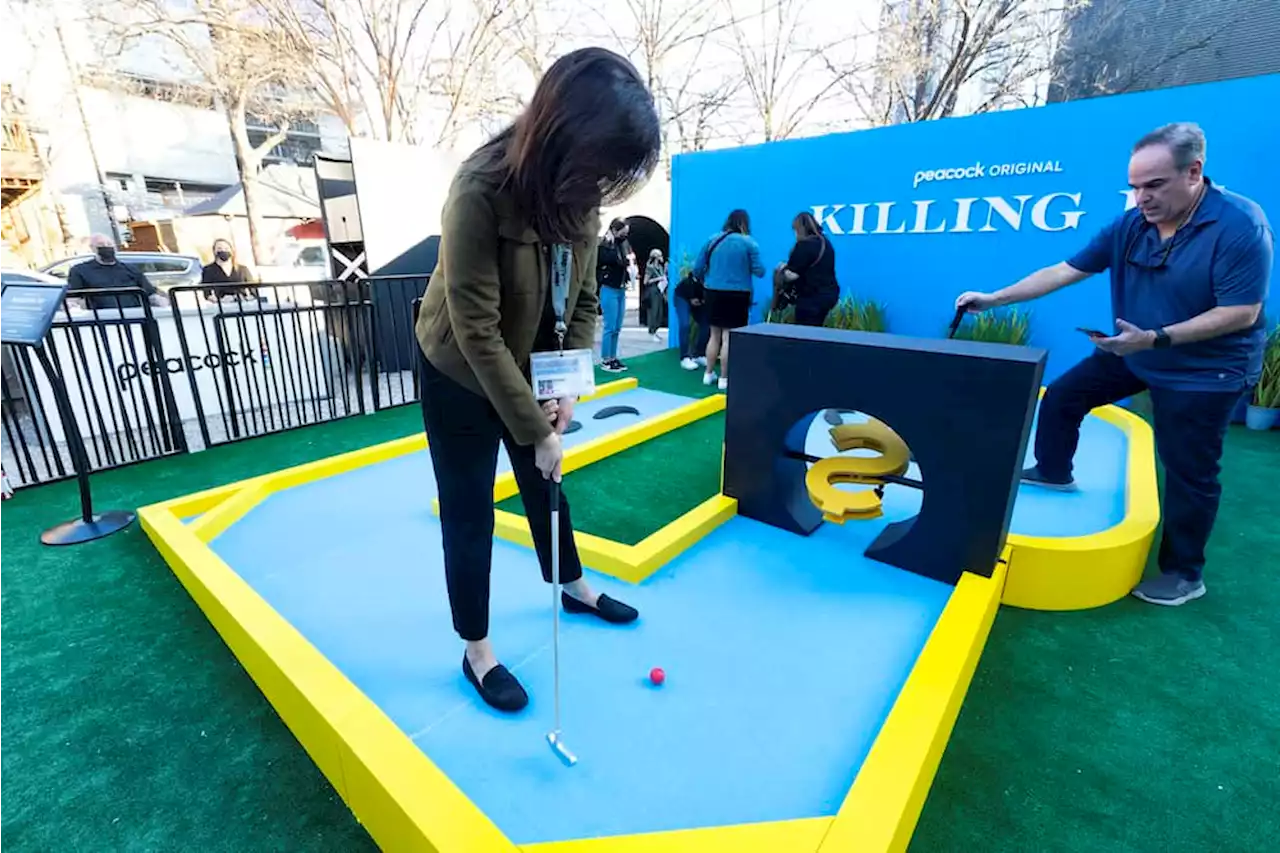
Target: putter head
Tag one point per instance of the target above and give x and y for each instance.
(562, 752)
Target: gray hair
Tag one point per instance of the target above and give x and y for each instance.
(1184, 139)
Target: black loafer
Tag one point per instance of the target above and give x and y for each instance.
(500, 689)
(608, 609)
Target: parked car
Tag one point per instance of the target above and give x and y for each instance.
(15, 276)
(163, 269)
(297, 261)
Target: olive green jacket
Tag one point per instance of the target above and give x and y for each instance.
(486, 299)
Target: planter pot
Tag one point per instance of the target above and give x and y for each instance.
(1261, 419)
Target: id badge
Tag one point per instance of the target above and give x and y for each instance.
(567, 373)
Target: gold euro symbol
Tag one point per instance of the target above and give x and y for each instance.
(839, 505)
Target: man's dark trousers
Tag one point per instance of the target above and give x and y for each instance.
(1189, 430)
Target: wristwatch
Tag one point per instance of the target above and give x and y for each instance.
(1162, 340)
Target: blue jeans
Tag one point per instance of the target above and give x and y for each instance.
(690, 348)
(613, 305)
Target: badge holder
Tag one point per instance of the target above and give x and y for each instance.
(561, 373)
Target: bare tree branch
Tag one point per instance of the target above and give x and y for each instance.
(248, 65)
(780, 66)
(933, 58)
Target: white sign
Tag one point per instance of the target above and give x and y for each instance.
(1058, 211)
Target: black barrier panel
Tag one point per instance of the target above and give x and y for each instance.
(123, 415)
(273, 361)
(395, 350)
(146, 382)
(964, 409)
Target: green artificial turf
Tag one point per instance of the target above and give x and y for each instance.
(655, 495)
(127, 725)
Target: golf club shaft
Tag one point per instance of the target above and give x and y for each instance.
(555, 595)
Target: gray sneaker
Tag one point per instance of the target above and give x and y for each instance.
(1033, 476)
(1169, 590)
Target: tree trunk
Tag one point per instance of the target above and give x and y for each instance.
(247, 162)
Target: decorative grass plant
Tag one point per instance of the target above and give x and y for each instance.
(859, 315)
(1001, 326)
(851, 312)
(1266, 394)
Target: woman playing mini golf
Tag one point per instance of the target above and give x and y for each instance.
(515, 278)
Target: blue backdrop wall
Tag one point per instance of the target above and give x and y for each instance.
(919, 213)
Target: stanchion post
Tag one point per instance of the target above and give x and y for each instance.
(88, 526)
(25, 318)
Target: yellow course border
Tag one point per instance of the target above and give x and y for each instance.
(1079, 572)
(407, 803)
(884, 804)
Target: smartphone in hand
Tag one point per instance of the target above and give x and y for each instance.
(1093, 333)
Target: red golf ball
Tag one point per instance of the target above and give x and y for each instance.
(657, 676)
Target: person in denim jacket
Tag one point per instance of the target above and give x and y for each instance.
(727, 264)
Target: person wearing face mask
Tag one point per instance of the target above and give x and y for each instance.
(105, 271)
(226, 276)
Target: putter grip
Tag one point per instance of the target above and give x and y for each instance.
(554, 489)
(955, 321)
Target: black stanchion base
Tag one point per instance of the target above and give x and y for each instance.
(78, 530)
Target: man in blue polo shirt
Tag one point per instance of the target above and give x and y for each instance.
(1190, 270)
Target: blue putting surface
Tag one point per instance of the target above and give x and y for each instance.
(783, 657)
(1099, 471)
(783, 654)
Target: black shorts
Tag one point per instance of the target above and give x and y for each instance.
(728, 309)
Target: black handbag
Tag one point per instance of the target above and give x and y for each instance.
(786, 290)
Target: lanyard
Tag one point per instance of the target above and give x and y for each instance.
(561, 263)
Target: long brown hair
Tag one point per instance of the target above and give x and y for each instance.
(589, 138)
(739, 221)
(807, 224)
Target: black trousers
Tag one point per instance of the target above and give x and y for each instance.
(463, 433)
(813, 310)
(1189, 429)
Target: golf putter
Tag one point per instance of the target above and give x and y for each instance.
(553, 737)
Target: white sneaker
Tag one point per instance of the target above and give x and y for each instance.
(701, 361)
(708, 378)
(723, 384)
(688, 364)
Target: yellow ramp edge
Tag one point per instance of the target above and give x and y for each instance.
(626, 438)
(786, 836)
(198, 503)
(880, 812)
(608, 389)
(228, 511)
(629, 563)
(1081, 572)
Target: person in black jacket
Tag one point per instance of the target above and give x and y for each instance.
(227, 277)
(611, 276)
(104, 271)
(808, 278)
